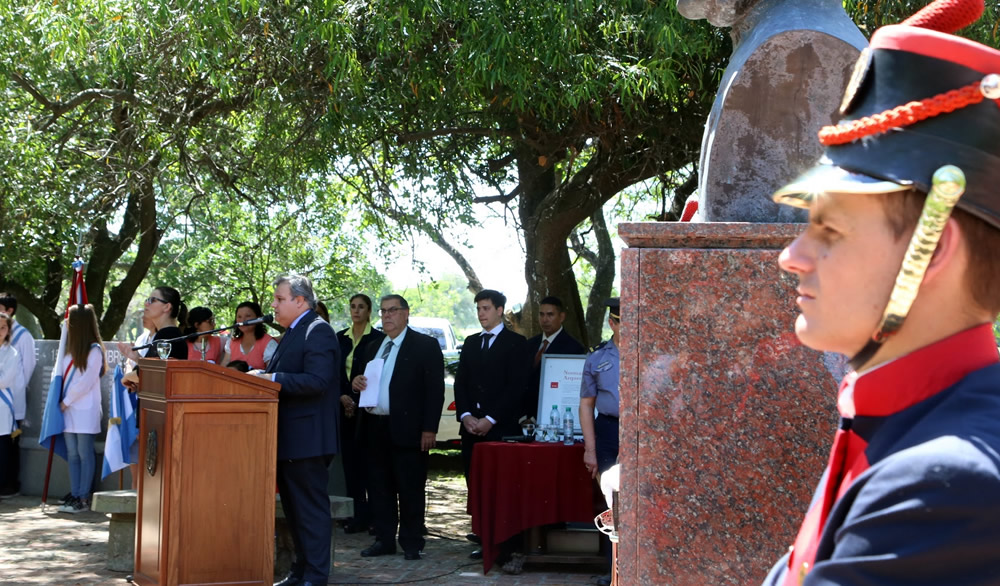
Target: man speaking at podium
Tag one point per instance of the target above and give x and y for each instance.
(305, 365)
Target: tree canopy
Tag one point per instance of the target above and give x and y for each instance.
(216, 143)
(123, 116)
(549, 109)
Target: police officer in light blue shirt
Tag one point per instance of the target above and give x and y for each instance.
(600, 388)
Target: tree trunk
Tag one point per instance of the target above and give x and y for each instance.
(550, 212)
(604, 278)
(548, 269)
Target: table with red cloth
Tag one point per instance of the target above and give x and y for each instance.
(516, 486)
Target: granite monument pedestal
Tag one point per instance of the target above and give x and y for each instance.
(726, 418)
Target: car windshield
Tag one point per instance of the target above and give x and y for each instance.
(436, 333)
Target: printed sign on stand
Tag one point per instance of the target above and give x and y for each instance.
(559, 385)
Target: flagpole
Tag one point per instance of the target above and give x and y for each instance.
(48, 471)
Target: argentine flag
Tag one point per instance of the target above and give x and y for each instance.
(121, 428)
(53, 423)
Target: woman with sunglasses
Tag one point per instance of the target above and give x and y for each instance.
(163, 310)
(201, 319)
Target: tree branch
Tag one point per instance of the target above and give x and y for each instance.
(58, 108)
(469, 130)
(499, 198)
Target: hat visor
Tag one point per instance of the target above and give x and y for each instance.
(831, 179)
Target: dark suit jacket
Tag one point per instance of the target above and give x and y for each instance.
(563, 344)
(310, 389)
(492, 382)
(416, 390)
(357, 361)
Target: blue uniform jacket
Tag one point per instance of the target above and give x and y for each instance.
(927, 510)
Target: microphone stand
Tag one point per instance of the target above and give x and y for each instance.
(194, 335)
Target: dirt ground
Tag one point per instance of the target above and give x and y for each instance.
(40, 546)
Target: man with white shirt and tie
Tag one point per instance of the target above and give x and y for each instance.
(305, 365)
(401, 428)
(491, 378)
(553, 340)
(490, 382)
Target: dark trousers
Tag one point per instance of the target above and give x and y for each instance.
(396, 488)
(606, 441)
(606, 447)
(469, 442)
(302, 486)
(10, 458)
(353, 451)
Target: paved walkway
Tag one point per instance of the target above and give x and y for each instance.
(41, 546)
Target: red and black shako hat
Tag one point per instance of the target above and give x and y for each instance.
(922, 111)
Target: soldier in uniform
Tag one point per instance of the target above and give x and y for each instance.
(899, 269)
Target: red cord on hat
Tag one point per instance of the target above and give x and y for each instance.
(901, 116)
(947, 16)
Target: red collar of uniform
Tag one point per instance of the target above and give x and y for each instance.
(907, 380)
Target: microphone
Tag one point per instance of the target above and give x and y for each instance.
(264, 319)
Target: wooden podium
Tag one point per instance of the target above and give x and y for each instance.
(207, 447)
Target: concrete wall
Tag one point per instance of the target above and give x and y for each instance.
(34, 456)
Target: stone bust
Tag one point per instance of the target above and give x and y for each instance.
(791, 62)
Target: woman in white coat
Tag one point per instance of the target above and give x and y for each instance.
(83, 365)
(11, 384)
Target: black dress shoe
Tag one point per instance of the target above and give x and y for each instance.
(411, 555)
(289, 580)
(476, 555)
(376, 549)
(474, 538)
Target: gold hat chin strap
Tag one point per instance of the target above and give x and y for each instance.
(947, 186)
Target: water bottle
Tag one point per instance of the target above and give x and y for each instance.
(568, 428)
(554, 422)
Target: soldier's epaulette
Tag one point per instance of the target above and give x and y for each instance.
(599, 346)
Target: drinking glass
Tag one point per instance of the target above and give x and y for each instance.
(163, 349)
(529, 429)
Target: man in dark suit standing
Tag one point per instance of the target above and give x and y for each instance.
(305, 365)
(553, 340)
(401, 429)
(490, 382)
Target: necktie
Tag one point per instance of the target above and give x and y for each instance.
(486, 341)
(388, 348)
(538, 355)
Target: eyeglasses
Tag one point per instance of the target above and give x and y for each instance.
(151, 300)
(389, 310)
